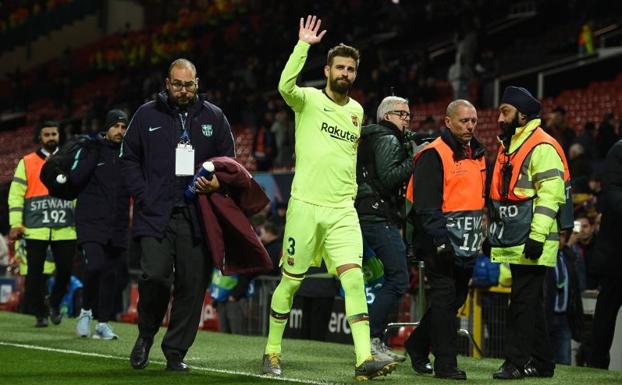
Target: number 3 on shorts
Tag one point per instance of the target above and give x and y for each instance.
(291, 250)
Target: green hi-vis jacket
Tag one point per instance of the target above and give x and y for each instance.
(536, 191)
(30, 205)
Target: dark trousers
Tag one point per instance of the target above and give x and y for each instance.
(316, 312)
(560, 337)
(526, 333)
(386, 241)
(438, 327)
(36, 250)
(233, 316)
(181, 261)
(102, 265)
(607, 307)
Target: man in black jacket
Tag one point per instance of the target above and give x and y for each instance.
(102, 218)
(449, 179)
(607, 261)
(383, 168)
(164, 144)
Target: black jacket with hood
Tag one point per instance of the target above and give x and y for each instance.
(103, 205)
(148, 156)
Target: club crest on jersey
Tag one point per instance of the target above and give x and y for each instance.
(355, 120)
(207, 129)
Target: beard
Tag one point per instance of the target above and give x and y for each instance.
(116, 139)
(50, 146)
(508, 129)
(183, 101)
(342, 87)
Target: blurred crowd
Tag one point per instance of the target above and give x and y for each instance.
(238, 70)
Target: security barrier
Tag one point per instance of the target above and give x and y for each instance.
(487, 314)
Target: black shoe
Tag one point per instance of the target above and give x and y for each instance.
(508, 371)
(139, 358)
(450, 373)
(537, 369)
(177, 366)
(42, 322)
(421, 365)
(419, 362)
(55, 315)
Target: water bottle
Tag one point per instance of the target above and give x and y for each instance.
(207, 171)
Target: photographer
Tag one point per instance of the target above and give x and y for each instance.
(383, 168)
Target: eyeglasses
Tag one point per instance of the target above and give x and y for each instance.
(177, 85)
(401, 114)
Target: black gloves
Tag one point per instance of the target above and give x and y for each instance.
(533, 249)
(445, 252)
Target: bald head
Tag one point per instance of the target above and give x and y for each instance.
(183, 64)
(453, 106)
(461, 119)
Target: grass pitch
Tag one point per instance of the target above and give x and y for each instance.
(55, 355)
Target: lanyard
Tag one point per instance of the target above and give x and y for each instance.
(185, 137)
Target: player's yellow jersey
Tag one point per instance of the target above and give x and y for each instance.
(327, 137)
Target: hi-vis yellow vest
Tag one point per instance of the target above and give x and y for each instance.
(511, 215)
(44, 217)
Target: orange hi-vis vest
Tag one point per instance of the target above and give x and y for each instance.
(464, 182)
(511, 215)
(41, 209)
(33, 164)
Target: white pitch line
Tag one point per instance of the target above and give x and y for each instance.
(206, 369)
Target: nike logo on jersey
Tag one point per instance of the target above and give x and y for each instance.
(100, 164)
(328, 109)
(151, 129)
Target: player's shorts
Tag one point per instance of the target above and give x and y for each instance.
(313, 233)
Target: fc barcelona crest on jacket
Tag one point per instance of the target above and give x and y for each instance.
(355, 120)
(207, 129)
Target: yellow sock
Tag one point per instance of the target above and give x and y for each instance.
(356, 312)
(279, 311)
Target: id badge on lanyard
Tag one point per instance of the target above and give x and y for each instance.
(184, 153)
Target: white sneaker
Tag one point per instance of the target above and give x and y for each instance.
(103, 331)
(83, 326)
(379, 349)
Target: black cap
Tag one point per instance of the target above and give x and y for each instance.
(113, 117)
(523, 100)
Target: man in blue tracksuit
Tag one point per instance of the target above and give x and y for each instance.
(102, 220)
(165, 142)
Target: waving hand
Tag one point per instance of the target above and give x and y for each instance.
(309, 30)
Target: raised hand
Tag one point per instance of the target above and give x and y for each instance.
(309, 30)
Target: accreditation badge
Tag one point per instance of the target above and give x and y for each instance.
(184, 159)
